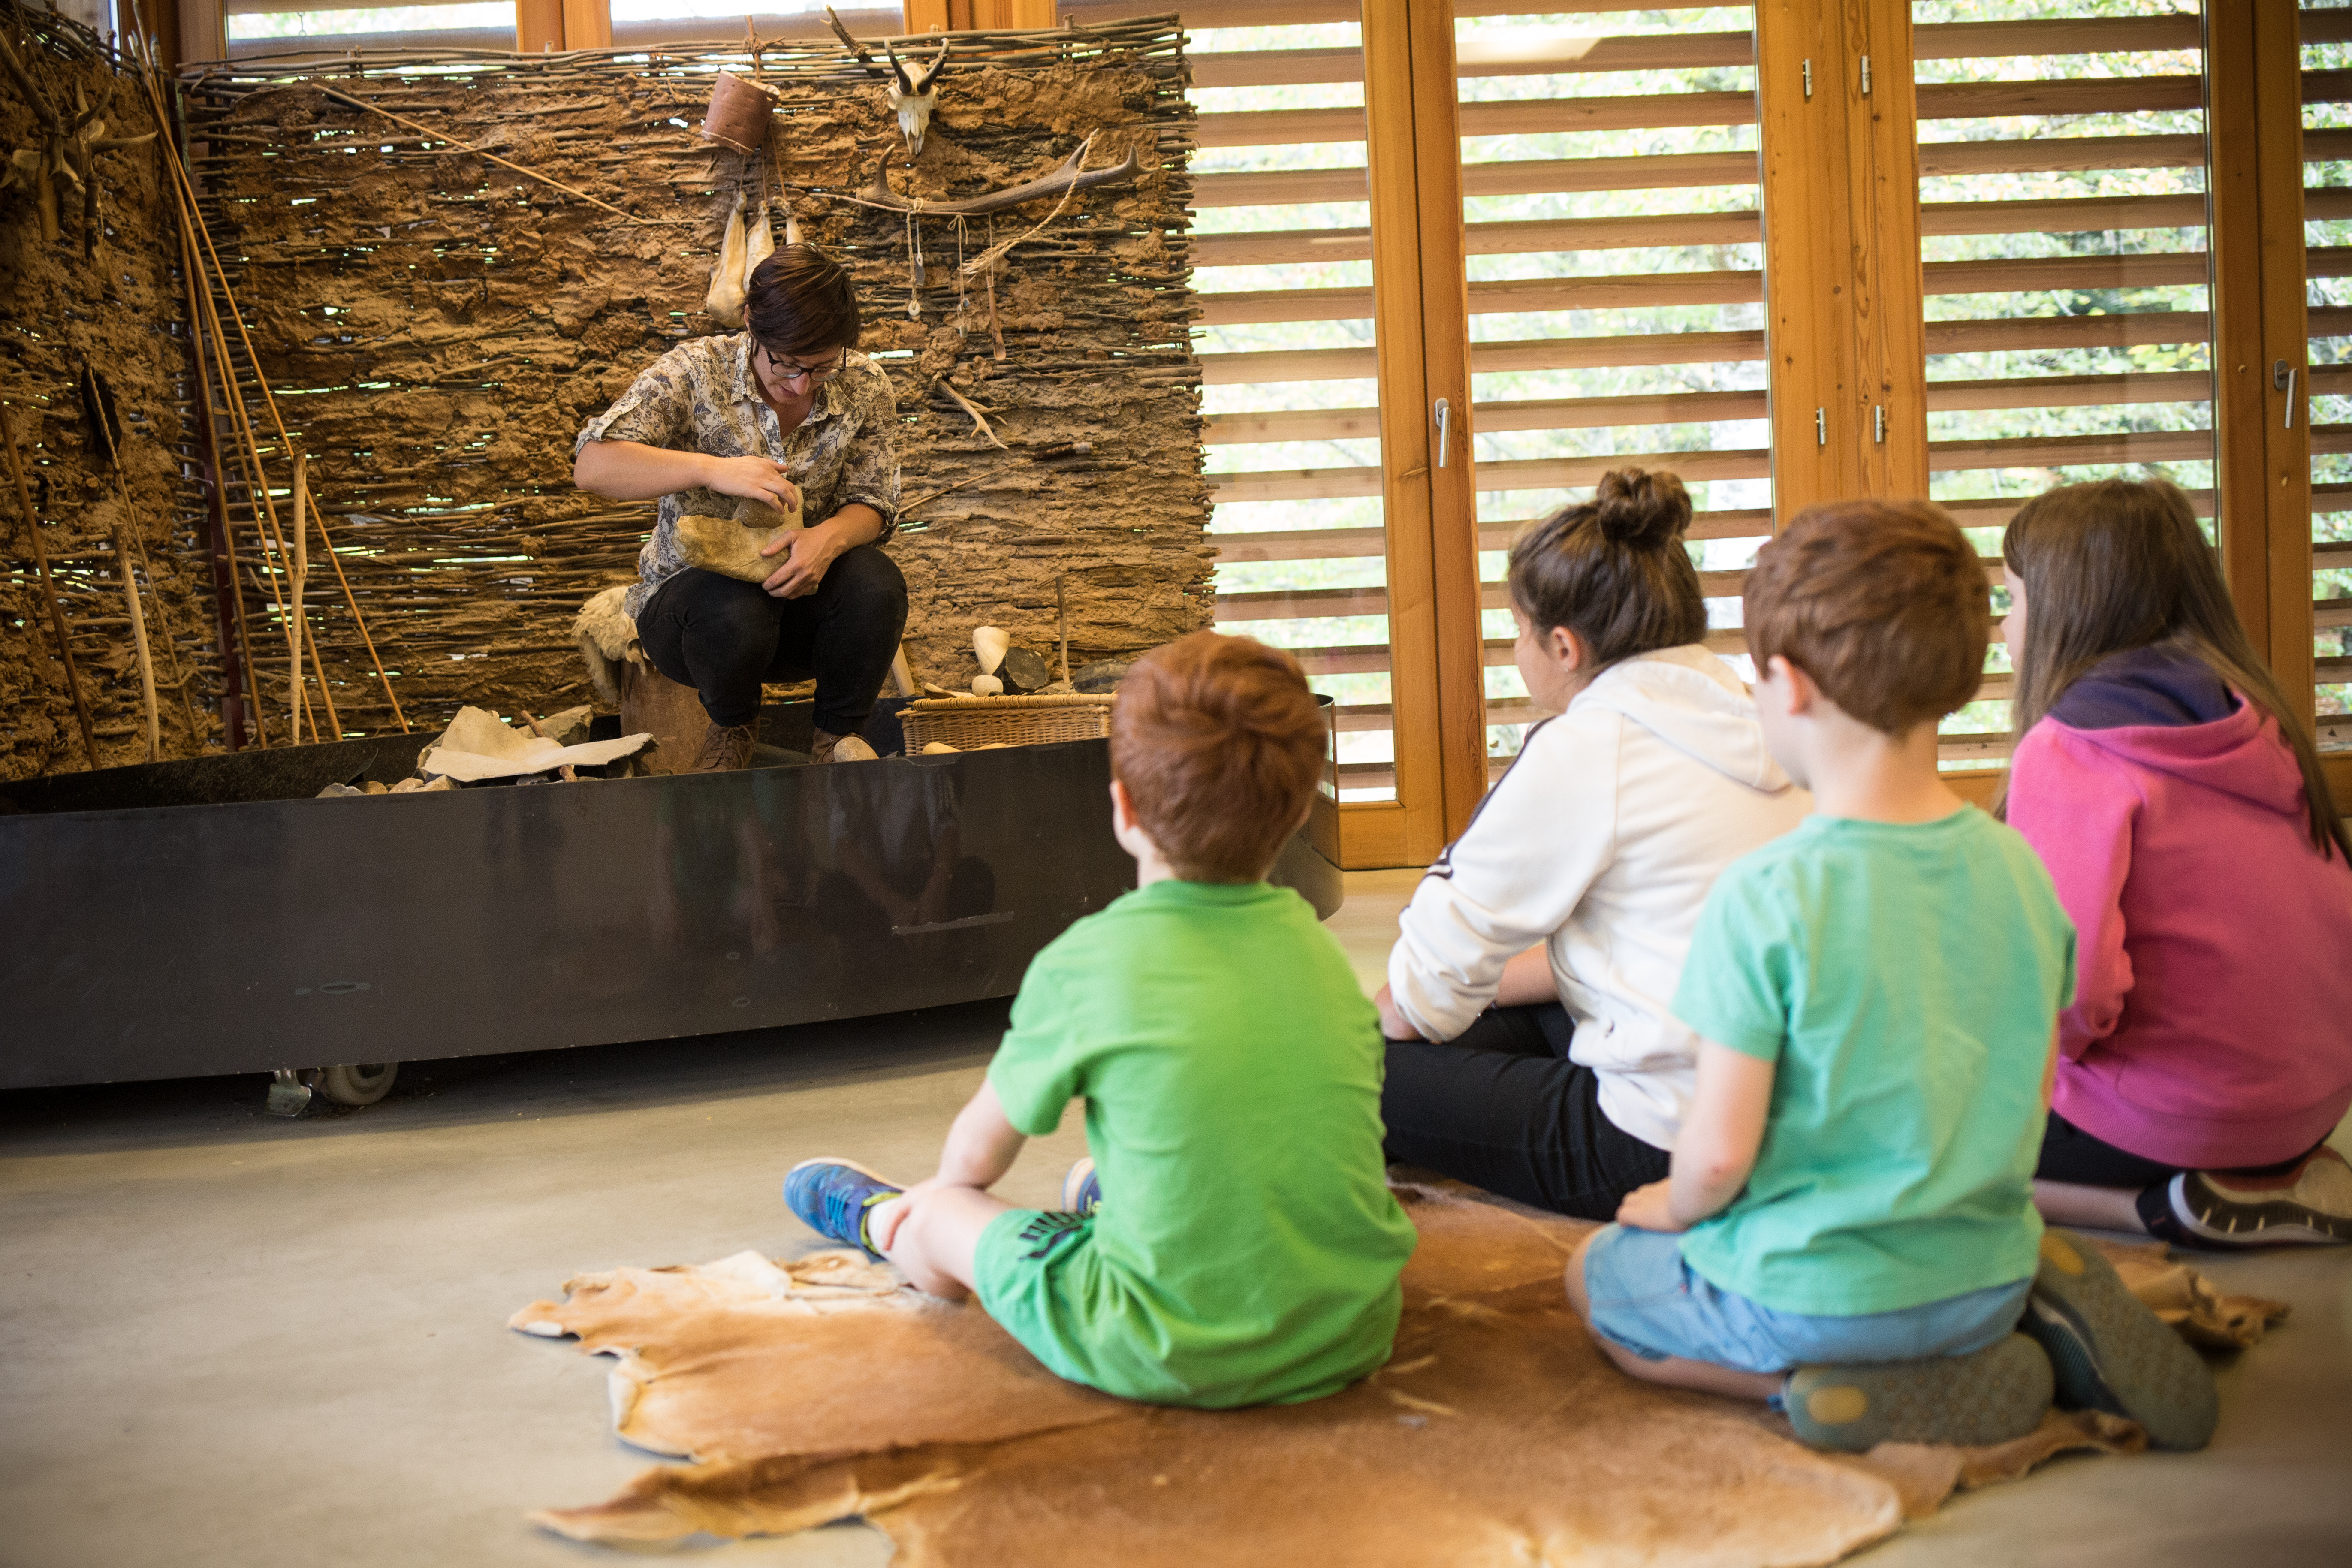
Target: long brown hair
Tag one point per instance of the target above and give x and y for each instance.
(1613, 569)
(2120, 564)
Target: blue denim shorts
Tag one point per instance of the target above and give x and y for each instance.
(1644, 1297)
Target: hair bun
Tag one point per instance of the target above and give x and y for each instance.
(1641, 510)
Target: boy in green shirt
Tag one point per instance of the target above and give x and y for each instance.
(1239, 1244)
(1849, 1228)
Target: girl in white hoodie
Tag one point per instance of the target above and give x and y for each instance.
(1532, 1051)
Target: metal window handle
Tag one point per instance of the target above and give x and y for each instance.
(2282, 378)
(1445, 429)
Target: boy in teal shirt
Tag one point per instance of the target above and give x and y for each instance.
(1849, 1227)
(1232, 1241)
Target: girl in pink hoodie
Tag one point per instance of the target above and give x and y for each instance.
(2178, 801)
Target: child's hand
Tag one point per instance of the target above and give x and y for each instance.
(1392, 1023)
(1645, 1208)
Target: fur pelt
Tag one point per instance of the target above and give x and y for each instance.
(607, 639)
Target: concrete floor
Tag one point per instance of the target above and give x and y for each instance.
(240, 1340)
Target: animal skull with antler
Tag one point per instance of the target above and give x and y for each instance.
(913, 96)
(64, 156)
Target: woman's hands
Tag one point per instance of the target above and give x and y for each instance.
(808, 551)
(1393, 1023)
(752, 479)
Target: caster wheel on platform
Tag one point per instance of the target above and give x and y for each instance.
(360, 1084)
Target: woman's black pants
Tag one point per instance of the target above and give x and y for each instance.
(724, 637)
(1503, 1109)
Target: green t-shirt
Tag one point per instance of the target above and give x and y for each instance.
(1247, 1249)
(1907, 979)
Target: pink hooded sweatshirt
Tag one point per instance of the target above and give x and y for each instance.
(2212, 1018)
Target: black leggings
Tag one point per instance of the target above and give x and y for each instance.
(1503, 1109)
(724, 637)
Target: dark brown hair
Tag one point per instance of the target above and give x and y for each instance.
(1613, 570)
(1220, 744)
(2119, 565)
(802, 302)
(1883, 602)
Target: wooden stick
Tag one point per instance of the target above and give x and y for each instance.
(367, 107)
(1062, 617)
(198, 350)
(139, 646)
(294, 625)
(191, 221)
(50, 592)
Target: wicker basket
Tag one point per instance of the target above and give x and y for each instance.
(968, 723)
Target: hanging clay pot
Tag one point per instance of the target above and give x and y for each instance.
(739, 114)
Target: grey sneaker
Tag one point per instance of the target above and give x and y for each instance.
(1987, 1396)
(2110, 1352)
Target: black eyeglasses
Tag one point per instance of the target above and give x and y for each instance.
(815, 374)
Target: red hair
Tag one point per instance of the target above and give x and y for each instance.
(1220, 746)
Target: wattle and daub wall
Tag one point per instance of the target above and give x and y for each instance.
(110, 300)
(437, 327)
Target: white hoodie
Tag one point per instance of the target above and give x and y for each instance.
(1601, 841)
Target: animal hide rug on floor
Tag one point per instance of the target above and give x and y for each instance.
(1498, 1434)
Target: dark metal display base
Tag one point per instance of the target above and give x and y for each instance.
(208, 916)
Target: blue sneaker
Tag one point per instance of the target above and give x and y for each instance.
(1081, 1188)
(832, 1198)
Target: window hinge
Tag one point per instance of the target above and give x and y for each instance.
(1878, 423)
(1866, 75)
(2283, 379)
(1809, 80)
(1820, 426)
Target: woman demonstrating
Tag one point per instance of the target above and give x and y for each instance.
(733, 416)
(1600, 843)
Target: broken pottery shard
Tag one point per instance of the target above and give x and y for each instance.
(853, 749)
(987, 645)
(937, 749)
(339, 791)
(987, 686)
(728, 547)
(1025, 671)
(1098, 678)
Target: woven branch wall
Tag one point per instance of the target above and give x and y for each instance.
(120, 309)
(437, 328)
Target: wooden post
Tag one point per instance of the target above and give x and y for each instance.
(1842, 272)
(539, 26)
(2253, 121)
(1445, 369)
(1411, 829)
(587, 24)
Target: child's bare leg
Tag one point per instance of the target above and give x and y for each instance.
(2102, 1208)
(936, 1234)
(1674, 1372)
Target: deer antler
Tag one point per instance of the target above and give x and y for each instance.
(105, 97)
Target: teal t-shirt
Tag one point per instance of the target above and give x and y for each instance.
(1247, 1249)
(1906, 980)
